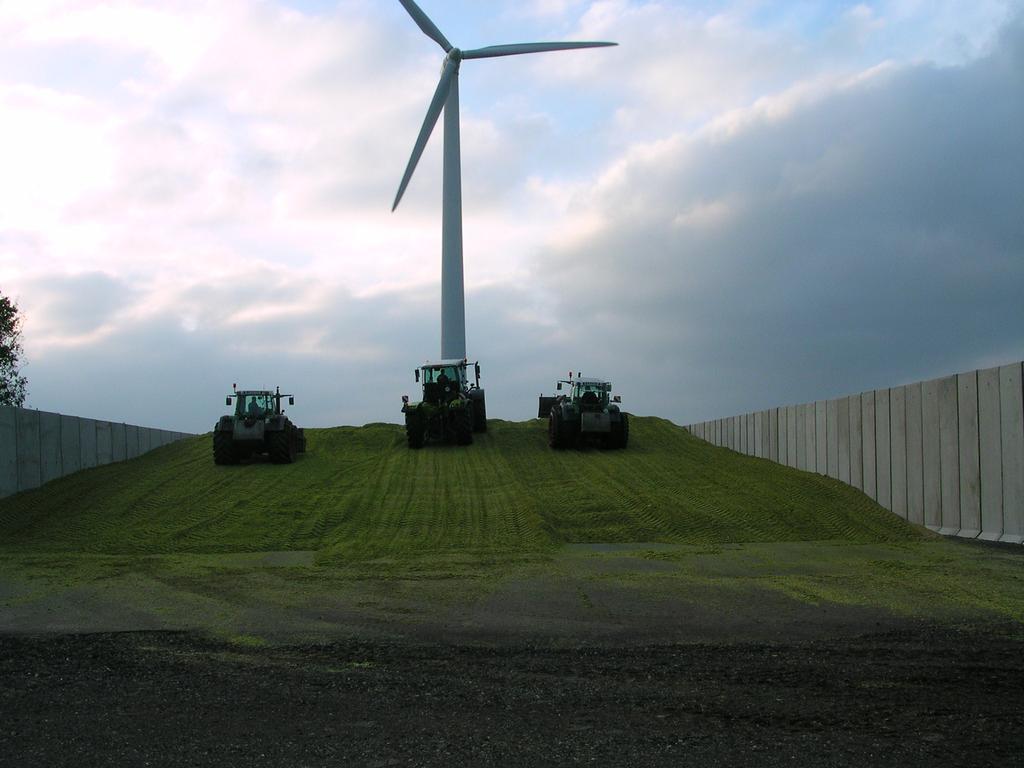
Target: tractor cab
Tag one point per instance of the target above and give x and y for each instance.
(589, 394)
(257, 404)
(446, 380)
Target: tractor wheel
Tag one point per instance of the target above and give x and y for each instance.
(462, 424)
(223, 449)
(620, 433)
(559, 431)
(281, 447)
(415, 430)
(480, 413)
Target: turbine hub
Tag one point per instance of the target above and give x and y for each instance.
(454, 55)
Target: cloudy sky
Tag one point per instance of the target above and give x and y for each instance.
(745, 204)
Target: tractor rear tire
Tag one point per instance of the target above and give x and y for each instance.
(462, 425)
(224, 449)
(281, 447)
(415, 430)
(620, 433)
(560, 432)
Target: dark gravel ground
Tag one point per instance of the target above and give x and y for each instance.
(923, 695)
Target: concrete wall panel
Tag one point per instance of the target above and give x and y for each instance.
(812, 438)
(131, 440)
(949, 457)
(915, 456)
(883, 478)
(832, 438)
(50, 465)
(801, 436)
(70, 444)
(773, 434)
(990, 454)
(105, 442)
(784, 436)
(843, 438)
(869, 435)
(791, 435)
(1011, 408)
(856, 443)
(932, 469)
(87, 442)
(820, 438)
(8, 450)
(970, 470)
(29, 473)
(898, 453)
(118, 442)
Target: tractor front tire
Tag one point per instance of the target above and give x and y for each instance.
(462, 425)
(224, 449)
(415, 430)
(281, 447)
(480, 413)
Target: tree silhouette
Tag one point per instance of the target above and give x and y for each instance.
(13, 386)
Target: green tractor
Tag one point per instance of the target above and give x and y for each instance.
(258, 425)
(451, 409)
(588, 411)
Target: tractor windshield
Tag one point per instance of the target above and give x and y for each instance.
(256, 404)
(592, 391)
(433, 375)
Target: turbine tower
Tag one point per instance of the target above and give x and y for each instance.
(453, 302)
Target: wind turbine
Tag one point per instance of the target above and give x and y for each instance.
(453, 302)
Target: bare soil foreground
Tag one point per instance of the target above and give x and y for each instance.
(919, 696)
(671, 604)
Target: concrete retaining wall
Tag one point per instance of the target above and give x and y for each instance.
(37, 446)
(946, 453)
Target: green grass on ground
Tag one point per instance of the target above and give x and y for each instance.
(364, 523)
(360, 494)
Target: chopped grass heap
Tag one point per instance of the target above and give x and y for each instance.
(360, 495)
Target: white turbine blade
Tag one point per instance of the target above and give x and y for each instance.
(514, 50)
(433, 112)
(429, 28)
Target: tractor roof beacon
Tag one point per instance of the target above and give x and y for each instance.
(258, 425)
(451, 407)
(588, 411)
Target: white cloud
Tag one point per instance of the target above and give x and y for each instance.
(213, 183)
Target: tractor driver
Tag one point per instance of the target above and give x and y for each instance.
(254, 408)
(448, 390)
(444, 382)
